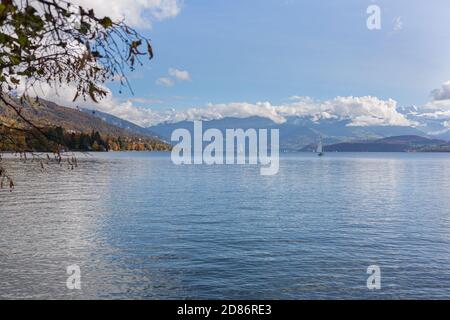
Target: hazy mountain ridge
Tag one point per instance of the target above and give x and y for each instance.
(120, 123)
(297, 132)
(409, 143)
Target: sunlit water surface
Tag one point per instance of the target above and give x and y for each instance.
(140, 227)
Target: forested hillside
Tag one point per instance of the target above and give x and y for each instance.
(70, 128)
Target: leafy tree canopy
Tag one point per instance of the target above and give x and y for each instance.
(56, 42)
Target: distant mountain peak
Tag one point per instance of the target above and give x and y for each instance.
(297, 132)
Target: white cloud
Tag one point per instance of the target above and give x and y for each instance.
(146, 101)
(179, 74)
(137, 13)
(361, 111)
(63, 95)
(173, 75)
(436, 115)
(433, 116)
(442, 93)
(236, 110)
(294, 98)
(439, 107)
(164, 81)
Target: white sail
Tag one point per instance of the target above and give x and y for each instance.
(320, 146)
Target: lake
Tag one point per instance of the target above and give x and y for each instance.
(139, 226)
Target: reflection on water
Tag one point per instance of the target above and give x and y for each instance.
(141, 227)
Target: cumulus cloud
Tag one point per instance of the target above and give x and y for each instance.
(137, 13)
(235, 110)
(179, 74)
(433, 116)
(442, 93)
(361, 111)
(173, 75)
(439, 106)
(358, 111)
(164, 81)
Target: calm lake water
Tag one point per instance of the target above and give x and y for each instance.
(140, 227)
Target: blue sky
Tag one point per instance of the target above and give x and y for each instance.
(282, 58)
(270, 50)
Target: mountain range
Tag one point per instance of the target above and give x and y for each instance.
(296, 133)
(302, 133)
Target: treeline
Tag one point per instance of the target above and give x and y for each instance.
(16, 140)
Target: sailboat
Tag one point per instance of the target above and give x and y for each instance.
(320, 148)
